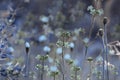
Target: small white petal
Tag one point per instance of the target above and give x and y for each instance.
(86, 40)
(67, 56)
(53, 68)
(72, 45)
(47, 49)
(42, 38)
(27, 44)
(59, 50)
(11, 49)
(44, 19)
(50, 60)
(76, 62)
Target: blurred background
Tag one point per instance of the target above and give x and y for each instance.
(39, 20)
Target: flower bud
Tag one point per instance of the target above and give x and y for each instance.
(27, 46)
(100, 32)
(105, 20)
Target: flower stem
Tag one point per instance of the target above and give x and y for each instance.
(75, 74)
(26, 66)
(42, 73)
(105, 50)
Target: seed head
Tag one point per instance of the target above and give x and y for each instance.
(105, 20)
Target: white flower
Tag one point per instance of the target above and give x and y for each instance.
(27, 44)
(42, 38)
(100, 12)
(50, 59)
(46, 49)
(53, 68)
(67, 56)
(10, 49)
(76, 62)
(44, 19)
(90, 7)
(99, 58)
(86, 40)
(72, 45)
(59, 50)
(112, 52)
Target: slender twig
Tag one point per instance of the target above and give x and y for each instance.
(63, 59)
(90, 70)
(54, 77)
(106, 49)
(42, 73)
(75, 74)
(92, 26)
(104, 39)
(26, 67)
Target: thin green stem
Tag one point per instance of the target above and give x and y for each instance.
(42, 73)
(75, 74)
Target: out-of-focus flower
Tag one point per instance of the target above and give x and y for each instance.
(71, 45)
(46, 49)
(112, 52)
(50, 60)
(27, 44)
(59, 50)
(90, 7)
(100, 12)
(42, 38)
(86, 40)
(76, 62)
(44, 19)
(67, 56)
(10, 49)
(53, 69)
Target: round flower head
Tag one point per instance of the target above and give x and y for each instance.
(46, 49)
(100, 32)
(50, 60)
(67, 56)
(53, 69)
(59, 50)
(42, 38)
(44, 19)
(10, 49)
(27, 44)
(86, 40)
(71, 45)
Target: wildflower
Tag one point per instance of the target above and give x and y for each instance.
(86, 40)
(59, 50)
(50, 59)
(27, 45)
(90, 59)
(42, 38)
(10, 49)
(100, 12)
(105, 20)
(112, 52)
(67, 56)
(44, 19)
(53, 69)
(46, 49)
(71, 45)
(90, 8)
(75, 62)
(100, 32)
